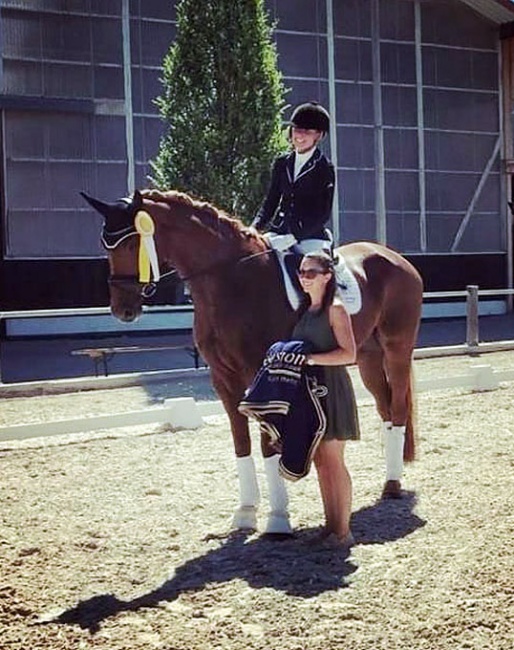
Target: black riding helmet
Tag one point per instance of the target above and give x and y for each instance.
(310, 116)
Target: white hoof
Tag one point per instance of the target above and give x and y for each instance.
(245, 517)
(278, 524)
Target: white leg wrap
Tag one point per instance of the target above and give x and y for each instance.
(246, 515)
(248, 486)
(278, 520)
(276, 485)
(394, 439)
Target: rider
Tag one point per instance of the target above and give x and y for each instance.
(298, 204)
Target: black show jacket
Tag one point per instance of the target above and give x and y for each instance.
(303, 206)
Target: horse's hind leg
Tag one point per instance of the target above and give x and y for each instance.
(399, 439)
(372, 370)
(398, 361)
(383, 377)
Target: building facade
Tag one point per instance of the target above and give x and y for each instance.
(420, 90)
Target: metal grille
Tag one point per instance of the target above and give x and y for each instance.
(417, 111)
(61, 51)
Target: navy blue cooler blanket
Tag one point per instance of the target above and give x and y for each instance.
(286, 398)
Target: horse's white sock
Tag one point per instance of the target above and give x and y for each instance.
(248, 486)
(394, 438)
(276, 486)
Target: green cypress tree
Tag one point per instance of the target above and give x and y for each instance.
(222, 104)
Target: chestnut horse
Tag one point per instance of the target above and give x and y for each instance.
(241, 309)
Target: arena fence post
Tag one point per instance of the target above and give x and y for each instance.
(472, 318)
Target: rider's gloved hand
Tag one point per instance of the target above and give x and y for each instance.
(280, 242)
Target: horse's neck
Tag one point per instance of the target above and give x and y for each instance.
(216, 277)
(231, 273)
(243, 298)
(201, 254)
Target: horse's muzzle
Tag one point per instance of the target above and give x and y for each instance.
(126, 292)
(125, 313)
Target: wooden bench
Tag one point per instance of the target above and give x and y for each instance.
(104, 355)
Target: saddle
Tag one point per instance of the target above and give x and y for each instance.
(348, 289)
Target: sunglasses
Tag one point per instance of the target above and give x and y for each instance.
(310, 274)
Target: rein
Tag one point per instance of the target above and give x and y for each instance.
(112, 240)
(223, 263)
(148, 289)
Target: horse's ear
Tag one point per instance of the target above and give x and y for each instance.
(137, 200)
(99, 206)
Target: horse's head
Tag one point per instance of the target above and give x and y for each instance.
(195, 239)
(121, 240)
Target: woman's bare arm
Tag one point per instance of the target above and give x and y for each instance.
(346, 352)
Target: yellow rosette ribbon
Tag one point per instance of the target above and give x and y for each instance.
(147, 253)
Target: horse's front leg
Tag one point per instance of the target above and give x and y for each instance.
(278, 518)
(246, 514)
(245, 517)
(230, 390)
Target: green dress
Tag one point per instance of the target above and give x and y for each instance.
(339, 405)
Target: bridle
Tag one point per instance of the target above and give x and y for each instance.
(147, 289)
(112, 239)
(218, 266)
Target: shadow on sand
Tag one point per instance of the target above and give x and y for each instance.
(296, 566)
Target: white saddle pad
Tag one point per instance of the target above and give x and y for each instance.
(348, 288)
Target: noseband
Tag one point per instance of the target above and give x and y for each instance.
(147, 290)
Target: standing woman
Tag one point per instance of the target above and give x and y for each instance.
(326, 325)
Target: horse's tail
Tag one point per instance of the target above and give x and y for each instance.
(409, 451)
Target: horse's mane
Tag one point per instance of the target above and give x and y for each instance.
(211, 215)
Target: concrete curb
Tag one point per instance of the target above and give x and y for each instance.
(59, 386)
(186, 412)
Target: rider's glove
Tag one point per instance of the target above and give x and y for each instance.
(280, 242)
